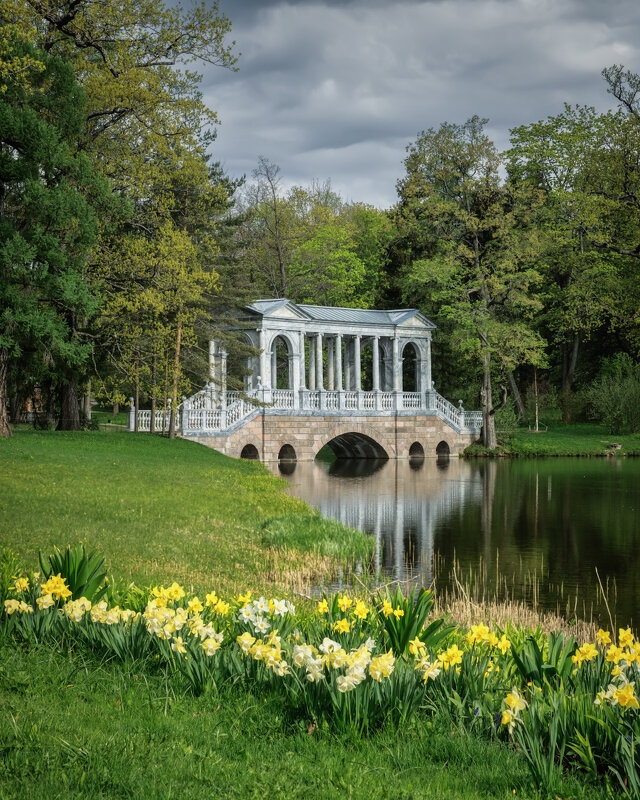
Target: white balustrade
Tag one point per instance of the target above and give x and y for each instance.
(207, 412)
(368, 401)
(411, 400)
(351, 401)
(283, 398)
(332, 401)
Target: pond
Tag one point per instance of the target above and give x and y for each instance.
(532, 529)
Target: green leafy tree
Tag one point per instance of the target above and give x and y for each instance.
(48, 197)
(480, 245)
(585, 278)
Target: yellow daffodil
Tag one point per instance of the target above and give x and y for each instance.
(625, 637)
(398, 612)
(21, 584)
(361, 610)
(626, 697)
(323, 607)
(504, 644)
(342, 626)
(56, 586)
(603, 638)
(344, 603)
(417, 648)
(387, 608)
(211, 599)
(477, 634)
(614, 654)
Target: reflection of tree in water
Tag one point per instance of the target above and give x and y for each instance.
(569, 516)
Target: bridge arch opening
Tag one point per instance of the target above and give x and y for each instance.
(416, 450)
(357, 445)
(287, 453)
(250, 452)
(443, 449)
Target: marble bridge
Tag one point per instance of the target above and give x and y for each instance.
(357, 380)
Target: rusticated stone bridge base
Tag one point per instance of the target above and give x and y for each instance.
(274, 437)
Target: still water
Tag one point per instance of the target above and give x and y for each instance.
(535, 529)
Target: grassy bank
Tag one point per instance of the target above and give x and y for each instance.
(581, 439)
(77, 721)
(161, 510)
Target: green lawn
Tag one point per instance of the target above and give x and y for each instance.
(72, 727)
(580, 439)
(163, 510)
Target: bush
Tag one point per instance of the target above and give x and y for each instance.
(614, 396)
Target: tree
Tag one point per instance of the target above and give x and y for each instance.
(480, 244)
(571, 157)
(48, 223)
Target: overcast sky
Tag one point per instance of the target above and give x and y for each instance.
(336, 89)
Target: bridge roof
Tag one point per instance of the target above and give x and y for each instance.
(358, 316)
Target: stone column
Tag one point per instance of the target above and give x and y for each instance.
(428, 387)
(212, 360)
(356, 359)
(312, 363)
(331, 385)
(319, 375)
(376, 364)
(263, 374)
(397, 375)
(223, 377)
(274, 366)
(339, 362)
(303, 366)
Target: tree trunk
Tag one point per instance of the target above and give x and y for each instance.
(489, 439)
(154, 358)
(176, 370)
(69, 419)
(116, 409)
(5, 430)
(87, 402)
(136, 399)
(569, 361)
(517, 398)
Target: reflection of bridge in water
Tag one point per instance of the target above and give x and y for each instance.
(400, 507)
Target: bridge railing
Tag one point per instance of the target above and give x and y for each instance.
(210, 410)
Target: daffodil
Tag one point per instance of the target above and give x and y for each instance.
(21, 584)
(626, 697)
(344, 603)
(603, 638)
(342, 626)
(361, 610)
(323, 607)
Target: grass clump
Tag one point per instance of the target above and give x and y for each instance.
(315, 533)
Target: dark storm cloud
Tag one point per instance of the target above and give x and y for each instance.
(338, 89)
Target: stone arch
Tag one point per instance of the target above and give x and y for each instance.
(443, 448)
(355, 441)
(287, 453)
(416, 450)
(281, 350)
(250, 452)
(251, 364)
(411, 363)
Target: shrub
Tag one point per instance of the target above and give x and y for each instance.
(614, 396)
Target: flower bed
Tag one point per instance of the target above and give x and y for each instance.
(354, 662)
